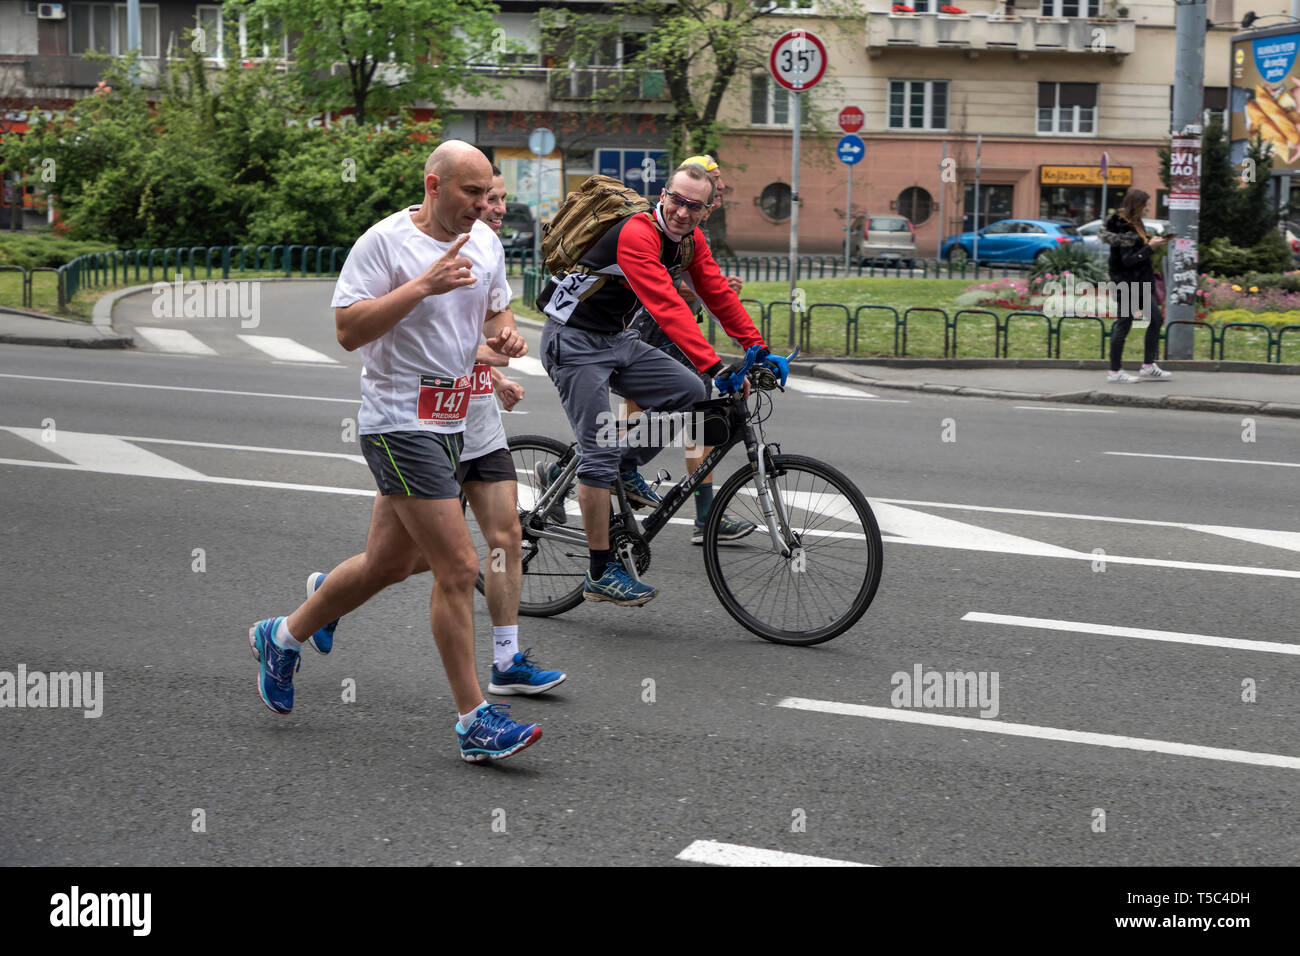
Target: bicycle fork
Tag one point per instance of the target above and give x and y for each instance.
(772, 507)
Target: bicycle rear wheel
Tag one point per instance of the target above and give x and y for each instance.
(829, 581)
(553, 571)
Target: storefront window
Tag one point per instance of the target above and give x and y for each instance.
(1076, 204)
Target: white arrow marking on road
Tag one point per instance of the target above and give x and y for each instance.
(1142, 633)
(1044, 733)
(1226, 461)
(174, 340)
(920, 528)
(287, 350)
(106, 454)
(732, 854)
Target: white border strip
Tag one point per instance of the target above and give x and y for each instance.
(1225, 461)
(1141, 633)
(732, 854)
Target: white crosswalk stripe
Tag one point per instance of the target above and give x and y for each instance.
(174, 340)
(286, 350)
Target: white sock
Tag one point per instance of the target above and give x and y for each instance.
(467, 719)
(505, 645)
(284, 639)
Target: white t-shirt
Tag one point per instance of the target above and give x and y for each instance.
(484, 431)
(417, 376)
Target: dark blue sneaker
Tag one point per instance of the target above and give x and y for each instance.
(492, 735)
(638, 490)
(524, 677)
(275, 678)
(546, 475)
(617, 587)
(322, 640)
(729, 529)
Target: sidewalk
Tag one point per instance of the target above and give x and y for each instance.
(1234, 387)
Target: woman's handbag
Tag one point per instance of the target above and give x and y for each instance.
(1159, 289)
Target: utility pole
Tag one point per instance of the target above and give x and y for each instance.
(1185, 175)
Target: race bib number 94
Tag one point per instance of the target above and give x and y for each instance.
(443, 400)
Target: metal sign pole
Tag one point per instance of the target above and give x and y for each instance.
(794, 212)
(848, 221)
(979, 145)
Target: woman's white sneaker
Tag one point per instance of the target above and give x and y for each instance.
(1121, 377)
(1153, 371)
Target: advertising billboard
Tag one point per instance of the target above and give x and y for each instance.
(1265, 98)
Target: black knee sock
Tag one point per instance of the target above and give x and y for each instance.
(598, 561)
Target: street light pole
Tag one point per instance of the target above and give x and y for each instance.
(1185, 206)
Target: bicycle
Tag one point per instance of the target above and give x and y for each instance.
(812, 523)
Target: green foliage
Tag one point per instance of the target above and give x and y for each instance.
(1073, 258)
(1222, 258)
(30, 250)
(393, 54)
(234, 163)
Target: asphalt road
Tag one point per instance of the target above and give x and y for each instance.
(988, 509)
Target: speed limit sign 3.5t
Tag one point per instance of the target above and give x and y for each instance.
(798, 60)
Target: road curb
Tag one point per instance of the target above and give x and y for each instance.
(109, 340)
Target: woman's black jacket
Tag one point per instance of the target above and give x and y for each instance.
(1130, 256)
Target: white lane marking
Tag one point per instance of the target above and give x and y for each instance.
(1044, 733)
(732, 854)
(820, 386)
(359, 459)
(1226, 461)
(184, 388)
(286, 350)
(174, 340)
(202, 479)
(863, 398)
(527, 365)
(1210, 528)
(1059, 408)
(1142, 633)
(920, 528)
(106, 454)
(1290, 540)
(1119, 559)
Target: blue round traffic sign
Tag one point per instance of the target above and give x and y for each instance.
(851, 149)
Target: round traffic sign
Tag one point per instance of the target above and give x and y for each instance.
(851, 149)
(798, 60)
(851, 119)
(541, 142)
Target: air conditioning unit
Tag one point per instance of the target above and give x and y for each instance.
(50, 11)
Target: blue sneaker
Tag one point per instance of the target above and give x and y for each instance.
(275, 679)
(617, 587)
(638, 490)
(524, 677)
(492, 735)
(323, 640)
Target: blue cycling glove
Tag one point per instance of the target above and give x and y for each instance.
(780, 365)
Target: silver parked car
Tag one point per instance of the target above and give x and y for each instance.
(1091, 233)
(888, 239)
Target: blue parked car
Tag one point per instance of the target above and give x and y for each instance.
(1012, 240)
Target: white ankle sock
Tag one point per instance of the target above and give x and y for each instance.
(467, 719)
(505, 644)
(284, 639)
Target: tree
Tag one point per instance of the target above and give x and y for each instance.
(394, 54)
(700, 46)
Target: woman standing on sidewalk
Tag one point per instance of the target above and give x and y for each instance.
(1130, 262)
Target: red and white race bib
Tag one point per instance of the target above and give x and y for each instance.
(443, 400)
(482, 382)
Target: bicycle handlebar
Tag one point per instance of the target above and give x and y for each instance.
(773, 372)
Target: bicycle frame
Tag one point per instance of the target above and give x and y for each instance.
(742, 430)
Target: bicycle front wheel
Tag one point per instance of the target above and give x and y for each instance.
(553, 570)
(831, 575)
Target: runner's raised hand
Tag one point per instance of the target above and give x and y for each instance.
(451, 270)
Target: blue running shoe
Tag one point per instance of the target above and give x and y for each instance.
(323, 640)
(492, 735)
(617, 587)
(729, 529)
(275, 679)
(524, 677)
(638, 490)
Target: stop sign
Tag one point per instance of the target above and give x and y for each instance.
(851, 119)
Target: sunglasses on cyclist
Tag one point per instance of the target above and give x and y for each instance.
(690, 205)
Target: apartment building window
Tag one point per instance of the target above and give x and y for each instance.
(102, 27)
(788, 6)
(769, 102)
(1214, 102)
(208, 19)
(995, 204)
(1070, 8)
(918, 104)
(1067, 108)
(1221, 13)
